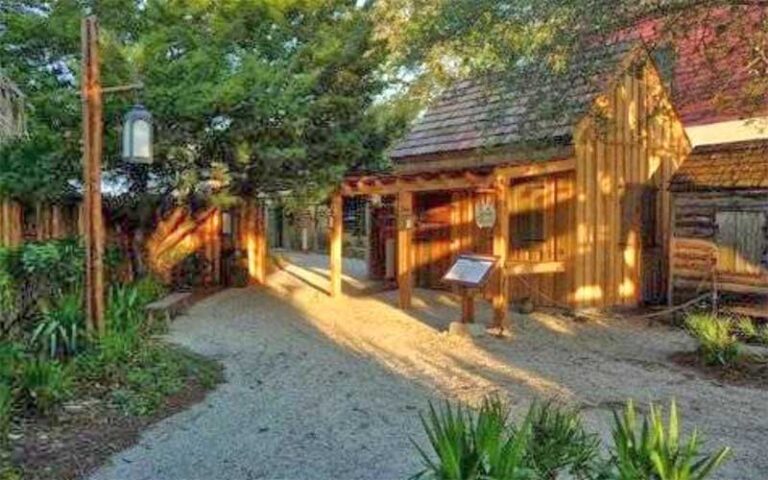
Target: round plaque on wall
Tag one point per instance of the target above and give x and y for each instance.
(485, 214)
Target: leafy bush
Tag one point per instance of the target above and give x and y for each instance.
(54, 266)
(43, 384)
(559, 441)
(10, 305)
(654, 451)
(11, 356)
(149, 289)
(717, 343)
(59, 331)
(6, 410)
(469, 446)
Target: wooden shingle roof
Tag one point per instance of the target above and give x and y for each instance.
(727, 166)
(499, 111)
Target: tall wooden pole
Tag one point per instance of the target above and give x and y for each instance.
(404, 251)
(500, 250)
(337, 225)
(92, 150)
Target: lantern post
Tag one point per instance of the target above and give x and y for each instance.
(93, 136)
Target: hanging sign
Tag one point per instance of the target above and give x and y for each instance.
(485, 214)
(471, 271)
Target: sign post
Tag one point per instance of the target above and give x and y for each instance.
(470, 273)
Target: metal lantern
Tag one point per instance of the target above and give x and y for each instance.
(137, 135)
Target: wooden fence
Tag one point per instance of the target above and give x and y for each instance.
(19, 224)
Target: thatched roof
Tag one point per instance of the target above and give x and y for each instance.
(12, 119)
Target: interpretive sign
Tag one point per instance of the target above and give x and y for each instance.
(471, 271)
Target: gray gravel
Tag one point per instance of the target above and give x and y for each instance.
(295, 406)
(321, 388)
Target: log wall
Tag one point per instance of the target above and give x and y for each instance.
(695, 250)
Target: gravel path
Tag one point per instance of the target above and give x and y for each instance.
(329, 389)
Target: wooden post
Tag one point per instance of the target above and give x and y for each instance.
(404, 239)
(337, 233)
(467, 305)
(92, 150)
(500, 250)
(255, 243)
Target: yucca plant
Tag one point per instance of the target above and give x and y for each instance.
(43, 384)
(717, 342)
(559, 442)
(654, 451)
(746, 328)
(124, 308)
(470, 446)
(61, 326)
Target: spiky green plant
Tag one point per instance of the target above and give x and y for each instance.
(470, 446)
(747, 328)
(559, 441)
(43, 384)
(61, 326)
(654, 451)
(717, 343)
(125, 310)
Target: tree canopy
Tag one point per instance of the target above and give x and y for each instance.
(260, 95)
(247, 95)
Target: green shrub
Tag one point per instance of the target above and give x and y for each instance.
(59, 331)
(149, 289)
(125, 312)
(559, 442)
(54, 267)
(11, 356)
(469, 446)
(654, 451)
(746, 328)
(6, 412)
(762, 334)
(43, 384)
(717, 343)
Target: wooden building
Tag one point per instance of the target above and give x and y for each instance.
(575, 169)
(720, 241)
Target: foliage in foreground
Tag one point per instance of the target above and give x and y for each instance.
(551, 443)
(655, 451)
(55, 361)
(717, 342)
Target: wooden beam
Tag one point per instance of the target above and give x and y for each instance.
(415, 185)
(404, 248)
(534, 268)
(500, 250)
(536, 169)
(337, 225)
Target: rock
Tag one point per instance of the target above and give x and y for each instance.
(466, 329)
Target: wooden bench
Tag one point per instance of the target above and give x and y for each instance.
(169, 307)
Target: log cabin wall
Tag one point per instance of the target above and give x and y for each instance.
(626, 152)
(720, 235)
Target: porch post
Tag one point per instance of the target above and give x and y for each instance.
(500, 250)
(404, 251)
(337, 225)
(256, 243)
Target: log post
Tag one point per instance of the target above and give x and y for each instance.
(500, 250)
(255, 243)
(336, 234)
(404, 252)
(92, 150)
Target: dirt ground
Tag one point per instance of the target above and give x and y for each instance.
(329, 388)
